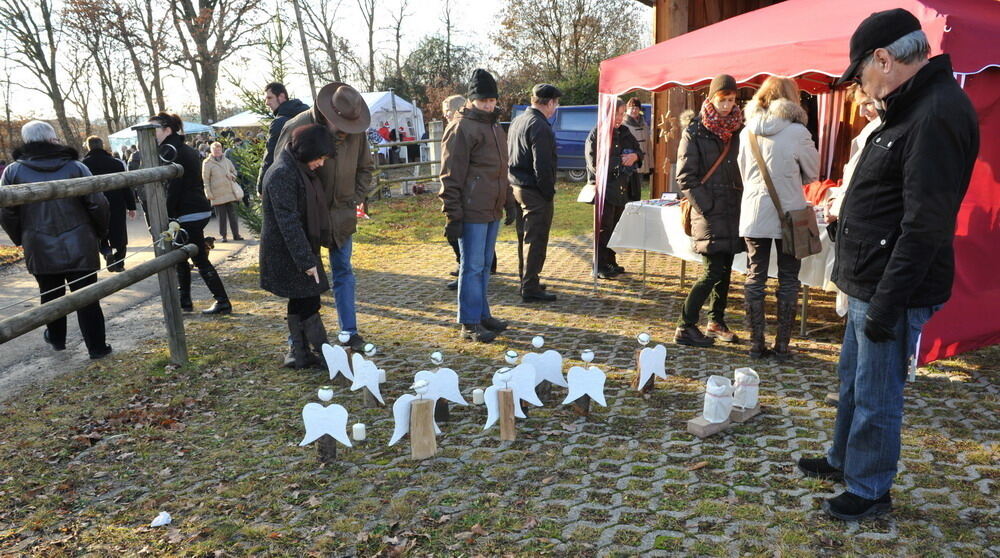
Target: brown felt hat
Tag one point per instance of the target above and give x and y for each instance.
(344, 108)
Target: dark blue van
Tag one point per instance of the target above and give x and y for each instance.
(572, 123)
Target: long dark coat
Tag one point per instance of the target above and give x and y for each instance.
(623, 183)
(100, 162)
(285, 252)
(715, 215)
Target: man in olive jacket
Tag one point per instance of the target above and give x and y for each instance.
(347, 180)
(532, 173)
(894, 248)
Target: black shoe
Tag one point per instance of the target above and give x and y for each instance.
(55, 346)
(494, 324)
(819, 468)
(477, 332)
(851, 507)
(452, 285)
(539, 296)
(618, 269)
(606, 272)
(237, 238)
(453, 273)
(186, 304)
(100, 353)
(223, 239)
(219, 307)
(692, 336)
(356, 343)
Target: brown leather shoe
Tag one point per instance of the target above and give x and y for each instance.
(692, 336)
(720, 332)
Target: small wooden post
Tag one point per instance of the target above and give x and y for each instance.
(545, 390)
(423, 443)
(326, 446)
(369, 399)
(506, 399)
(638, 374)
(582, 406)
(441, 411)
(435, 132)
(156, 211)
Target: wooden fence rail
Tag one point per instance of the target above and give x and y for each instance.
(41, 191)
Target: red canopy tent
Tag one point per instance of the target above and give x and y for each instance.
(808, 40)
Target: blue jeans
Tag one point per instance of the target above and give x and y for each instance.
(476, 245)
(866, 438)
(343, 286)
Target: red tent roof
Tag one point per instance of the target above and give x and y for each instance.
(807, 39)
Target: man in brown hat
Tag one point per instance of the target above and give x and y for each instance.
(347, 180)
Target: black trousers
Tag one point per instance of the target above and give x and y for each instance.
(537, 222)
(713, 286)
(458, 256)
(227, 212)
(758, 260)
(90, 318)
(304, 307)
(609, 219)
(196, 235)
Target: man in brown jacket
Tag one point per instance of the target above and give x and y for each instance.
(347, 180)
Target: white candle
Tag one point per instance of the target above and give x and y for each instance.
(478, 396)
(381, 375)
(359, 432)
(325, 393)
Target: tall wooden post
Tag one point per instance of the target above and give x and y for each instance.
(435, 132)
(670, 20)
(156, 210)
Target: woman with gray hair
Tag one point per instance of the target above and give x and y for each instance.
(60, 237)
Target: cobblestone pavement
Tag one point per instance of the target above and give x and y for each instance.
(627, 480)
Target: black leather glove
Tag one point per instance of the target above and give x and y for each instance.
(511, 212)
(453, 231)
(877, 331)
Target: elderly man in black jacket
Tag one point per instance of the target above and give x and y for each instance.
(284, 109)
(60, 237)
(894, 248)
(532, 173)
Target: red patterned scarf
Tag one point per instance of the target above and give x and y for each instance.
(722, 126)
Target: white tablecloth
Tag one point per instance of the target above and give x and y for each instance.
(658, 229)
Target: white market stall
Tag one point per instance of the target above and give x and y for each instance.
(127, 137)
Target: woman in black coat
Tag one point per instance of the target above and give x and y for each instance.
(187, 204)
(710, 180)
(296, 225)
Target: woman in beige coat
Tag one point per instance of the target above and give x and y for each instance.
(221, 188)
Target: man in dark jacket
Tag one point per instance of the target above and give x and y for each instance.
(894, 248)
(120, 203)
(623, 185)
(276, 99)
(532, 173)
(61, 236)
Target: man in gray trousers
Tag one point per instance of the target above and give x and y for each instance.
(532, 173)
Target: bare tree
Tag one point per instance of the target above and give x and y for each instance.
(367, 8)
(34, 34)
(8, 123)
(397, 30)
(78, 75)
(140, 26)
(446, 20)
(323, 22)
(208, 34)
(90, 30)
(275, 41)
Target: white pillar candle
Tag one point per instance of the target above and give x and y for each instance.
(478, 396)
(359, 433)
(381, 375)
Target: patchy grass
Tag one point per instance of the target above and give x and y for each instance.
(10, 255)
(88, 460)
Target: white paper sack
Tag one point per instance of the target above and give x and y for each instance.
(718, 399)
(747, 386)
(163, 518)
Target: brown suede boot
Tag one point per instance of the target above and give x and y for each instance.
(787, 307)
(756, 323)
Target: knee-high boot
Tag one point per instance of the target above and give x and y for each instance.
(299, 355)
(214, 284)
(316, 337)
(757, 324)
(787, 306)
(184, 286)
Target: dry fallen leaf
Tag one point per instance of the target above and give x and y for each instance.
(312, 502)
(530, 523)
(547, 480)
(443, 519)
(477, 529)
(698, 465)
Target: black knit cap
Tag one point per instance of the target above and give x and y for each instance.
(482, 85)
(721, 82)
(546, 91)
(878, 30)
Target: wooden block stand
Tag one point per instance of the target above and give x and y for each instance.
(423, 442)
(638, 374)
(507, 430)
(582, 406)
(703, 429)
(326, 446)
(739, 414)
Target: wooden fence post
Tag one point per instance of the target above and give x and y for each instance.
(156, 210)
(436, 132)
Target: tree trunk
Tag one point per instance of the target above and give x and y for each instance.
(206, 92)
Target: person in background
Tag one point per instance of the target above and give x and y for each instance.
(532, 173)
(776, 120)
(284, 109)
(3, 165)
(622, 186)
(60, 237)
(187, 204)
(895, 258)
(710, 180)
(121, 202)
(296, 225)
(475, 192)
(221, 188)
(635, 121)
(347, 181)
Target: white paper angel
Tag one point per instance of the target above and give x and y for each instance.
(586, 381)
(366, 375)
(336, 361)
(320, 420)
(652, 362)
(401, 411)
(501, 380)
(548, 365)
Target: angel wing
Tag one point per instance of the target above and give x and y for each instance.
(366, 375)
(446, 386)
(523, 382)
(652, 362)
(336, 361)
(320, 420)
(548, 367)
(492, 401)
(586, 381)
(401, 417)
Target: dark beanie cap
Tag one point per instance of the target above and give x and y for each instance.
(721, 82)
(482, 85)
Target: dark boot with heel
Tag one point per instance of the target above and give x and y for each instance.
(757, 324)
(214, 284)
(315, 333)
(787, 306)
(299, 356)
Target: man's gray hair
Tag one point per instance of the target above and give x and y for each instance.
(37, 130)
(910, 48)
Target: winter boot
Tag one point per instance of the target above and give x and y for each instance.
(787, 306)
(316, 337)
(757, 323)
(184, 286)
(214, 284)
(299, 355)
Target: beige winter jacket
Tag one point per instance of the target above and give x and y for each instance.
(791, 158)
(220, 180)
